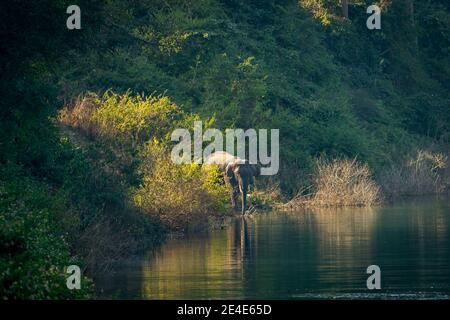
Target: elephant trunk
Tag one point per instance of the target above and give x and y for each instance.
(244, 188)
(244, 202)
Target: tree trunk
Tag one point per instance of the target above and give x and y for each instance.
(344, 4)
(413, 23)
(411, 12)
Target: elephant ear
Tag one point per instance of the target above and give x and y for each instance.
(256, 168)
(229, 170)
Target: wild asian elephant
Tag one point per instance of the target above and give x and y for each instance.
(238, 173)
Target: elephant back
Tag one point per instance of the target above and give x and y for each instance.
(220, 158)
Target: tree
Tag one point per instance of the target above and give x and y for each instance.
(344, 5)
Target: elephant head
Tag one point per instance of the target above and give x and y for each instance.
(241, 175)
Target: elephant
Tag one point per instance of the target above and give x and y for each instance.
(238, 173)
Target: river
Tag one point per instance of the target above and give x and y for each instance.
(309, 254)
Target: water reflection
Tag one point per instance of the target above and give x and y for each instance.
(307, 254)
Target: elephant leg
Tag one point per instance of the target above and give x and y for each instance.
(234, 195)
(244, 202)
(233, 199)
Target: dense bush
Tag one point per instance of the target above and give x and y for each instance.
(182, 196)
(107, 228)
(339, 182)
(136, 117)
(344, 183)
(34, 252)
(128, 118)
(138, 128)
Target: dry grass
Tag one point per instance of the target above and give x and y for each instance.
(426, 172)
(338, 183)
(79, 116)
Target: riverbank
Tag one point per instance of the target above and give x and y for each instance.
(344, 182)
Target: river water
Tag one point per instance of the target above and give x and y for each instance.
(309, 254)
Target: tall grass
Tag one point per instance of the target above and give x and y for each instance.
(339, 182)
(79, 115)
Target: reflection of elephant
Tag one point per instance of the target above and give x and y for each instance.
(238, 173)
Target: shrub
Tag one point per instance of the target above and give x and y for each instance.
(344, 183)
(181, 195)
(213, 183)
(80, 115)
(135, 118)
(101, 225)
(125, 118)
(33, 248)
(340, 182)
(426, 172)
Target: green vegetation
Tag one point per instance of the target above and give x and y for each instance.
(85, 115)
(181, 195)
(137, 129)
(33, 251)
